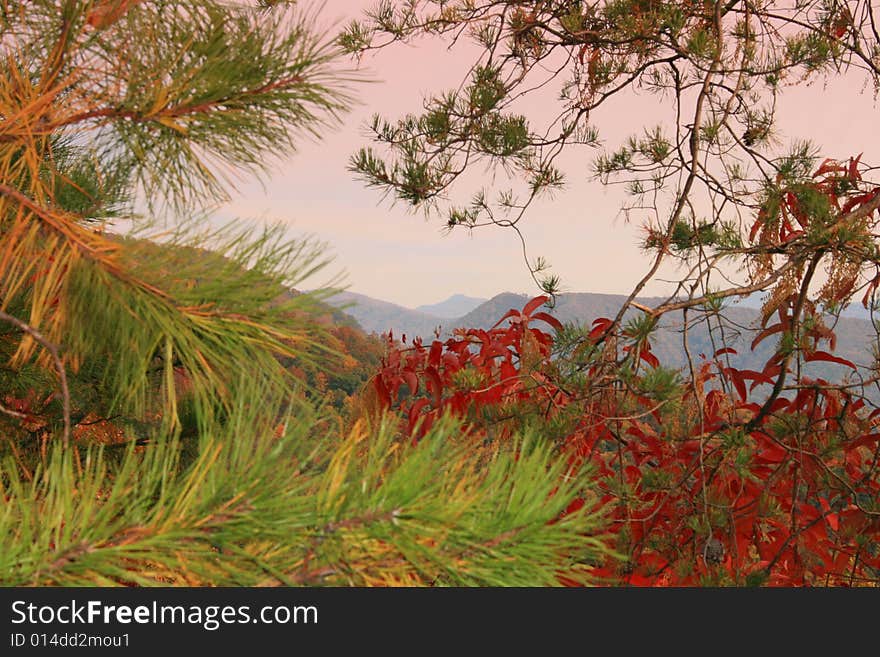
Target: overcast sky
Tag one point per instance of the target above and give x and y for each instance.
(392, 254)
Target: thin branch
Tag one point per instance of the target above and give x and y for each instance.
(13, 413)
(53, 350)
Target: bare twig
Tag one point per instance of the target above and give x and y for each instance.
(13, 413)
(53, 350)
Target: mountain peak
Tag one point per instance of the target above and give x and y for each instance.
(455, 306)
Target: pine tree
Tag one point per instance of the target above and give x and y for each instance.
(217, 469)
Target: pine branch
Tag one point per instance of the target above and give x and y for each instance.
(362, 511)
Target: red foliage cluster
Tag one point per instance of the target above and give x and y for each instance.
(492, 359)
(834, 180)
(711, 487)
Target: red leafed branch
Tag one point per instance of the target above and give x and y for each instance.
(705, 490)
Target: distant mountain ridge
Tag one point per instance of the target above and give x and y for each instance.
(458, 305)
(377, 316)
(853, 334)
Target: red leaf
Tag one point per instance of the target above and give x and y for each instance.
(713, 402)
(856, 201)
(412, 381)
(755, 228)
(830, 517)
(492, 350)
(776, 328)
(549, 319)
(435, 385)
(599, 327)
(532, 305)
(871, 288)
(105, 13)
(825, 356)
(865, 440)
(737, 380)
(757, 377)
(451, 362)
(771, 454)
(649, 358)
(771, 369)
(574, 506)
(632, 473)
(544, 338)
(382, 391)
(854, 168)
(639, 580)
(434, 354)
(508, 371)
(414, 412)
(829, 166)
(778, 405)
(507, 315)
(725, 350)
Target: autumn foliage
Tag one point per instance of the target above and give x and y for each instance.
(727, 477)
(712, 491)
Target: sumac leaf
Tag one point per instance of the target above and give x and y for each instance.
(534, 304)
(829, 358)
(435, 385)
(549, 319)
(767, 332)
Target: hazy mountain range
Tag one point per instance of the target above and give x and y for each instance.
(854, 334)
(458, 305)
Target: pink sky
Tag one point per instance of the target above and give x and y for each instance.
(394, 255)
